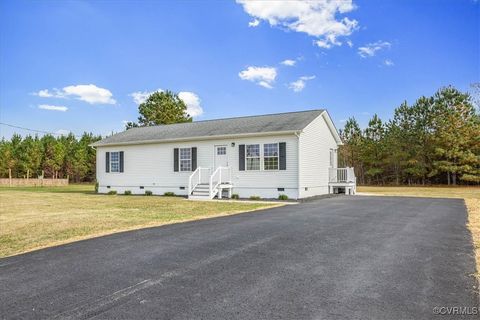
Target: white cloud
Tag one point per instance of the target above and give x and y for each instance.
(317, 18)
(191, 99)
(288, 62)
(370, 49)
(49, 94)
(52, 108)
(86, 92)
(323, 44)
(140, 96)
(300, 84)
(90, 93)
(349, 43)
(388, 63)
(254, 23)
(193, 103)
(44, 93)
(263, 76)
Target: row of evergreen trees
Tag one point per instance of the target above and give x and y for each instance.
(434, 141)
(54, 157)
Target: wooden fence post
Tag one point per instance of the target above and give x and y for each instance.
(10, 176)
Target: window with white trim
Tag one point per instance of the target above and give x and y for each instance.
(115, 161)
(332, 155)
(185, 159)
(270, 156)
(252, 156)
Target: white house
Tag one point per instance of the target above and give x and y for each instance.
(293, 154)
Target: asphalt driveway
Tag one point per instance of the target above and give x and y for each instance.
(338, 258)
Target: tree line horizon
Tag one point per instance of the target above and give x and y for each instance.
(436, 140)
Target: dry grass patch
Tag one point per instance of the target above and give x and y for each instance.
(473, 206)
(33, 218)
(471, 195)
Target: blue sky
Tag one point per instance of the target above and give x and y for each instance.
(83, 66)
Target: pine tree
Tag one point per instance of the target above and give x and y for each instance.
(373, 145)
(456, 136)
(350, 151)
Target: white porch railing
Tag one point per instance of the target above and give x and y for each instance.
(222, 175)
(344, 175)
(219, 176)
(200, 175)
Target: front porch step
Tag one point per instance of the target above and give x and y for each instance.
(201, 193)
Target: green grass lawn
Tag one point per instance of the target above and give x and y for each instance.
(471, 195)
(38, 217)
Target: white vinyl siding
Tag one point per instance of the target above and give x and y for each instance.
(150, 166)
(315, 157)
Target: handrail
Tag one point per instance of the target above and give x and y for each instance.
(213, 188)
(190, 187)
(215, 179)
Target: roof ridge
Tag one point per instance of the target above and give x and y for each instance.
(240, 117)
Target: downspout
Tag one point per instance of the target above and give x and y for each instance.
(297, 134)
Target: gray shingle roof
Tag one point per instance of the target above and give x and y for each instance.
(291, 121)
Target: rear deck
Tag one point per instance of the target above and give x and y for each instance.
(342, 180)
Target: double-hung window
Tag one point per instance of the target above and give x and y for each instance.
(185, 159)
(253, 156)
(270, 156)
(115, 161)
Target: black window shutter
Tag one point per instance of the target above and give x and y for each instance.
(282, 146)
(175, 159)
(121, 161)
(194, 158)
(107, 161)
(241, 157)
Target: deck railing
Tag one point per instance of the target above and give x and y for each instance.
(222, 175)
(342, 175)
(219, 176)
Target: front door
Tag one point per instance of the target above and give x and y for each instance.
(221, 157)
